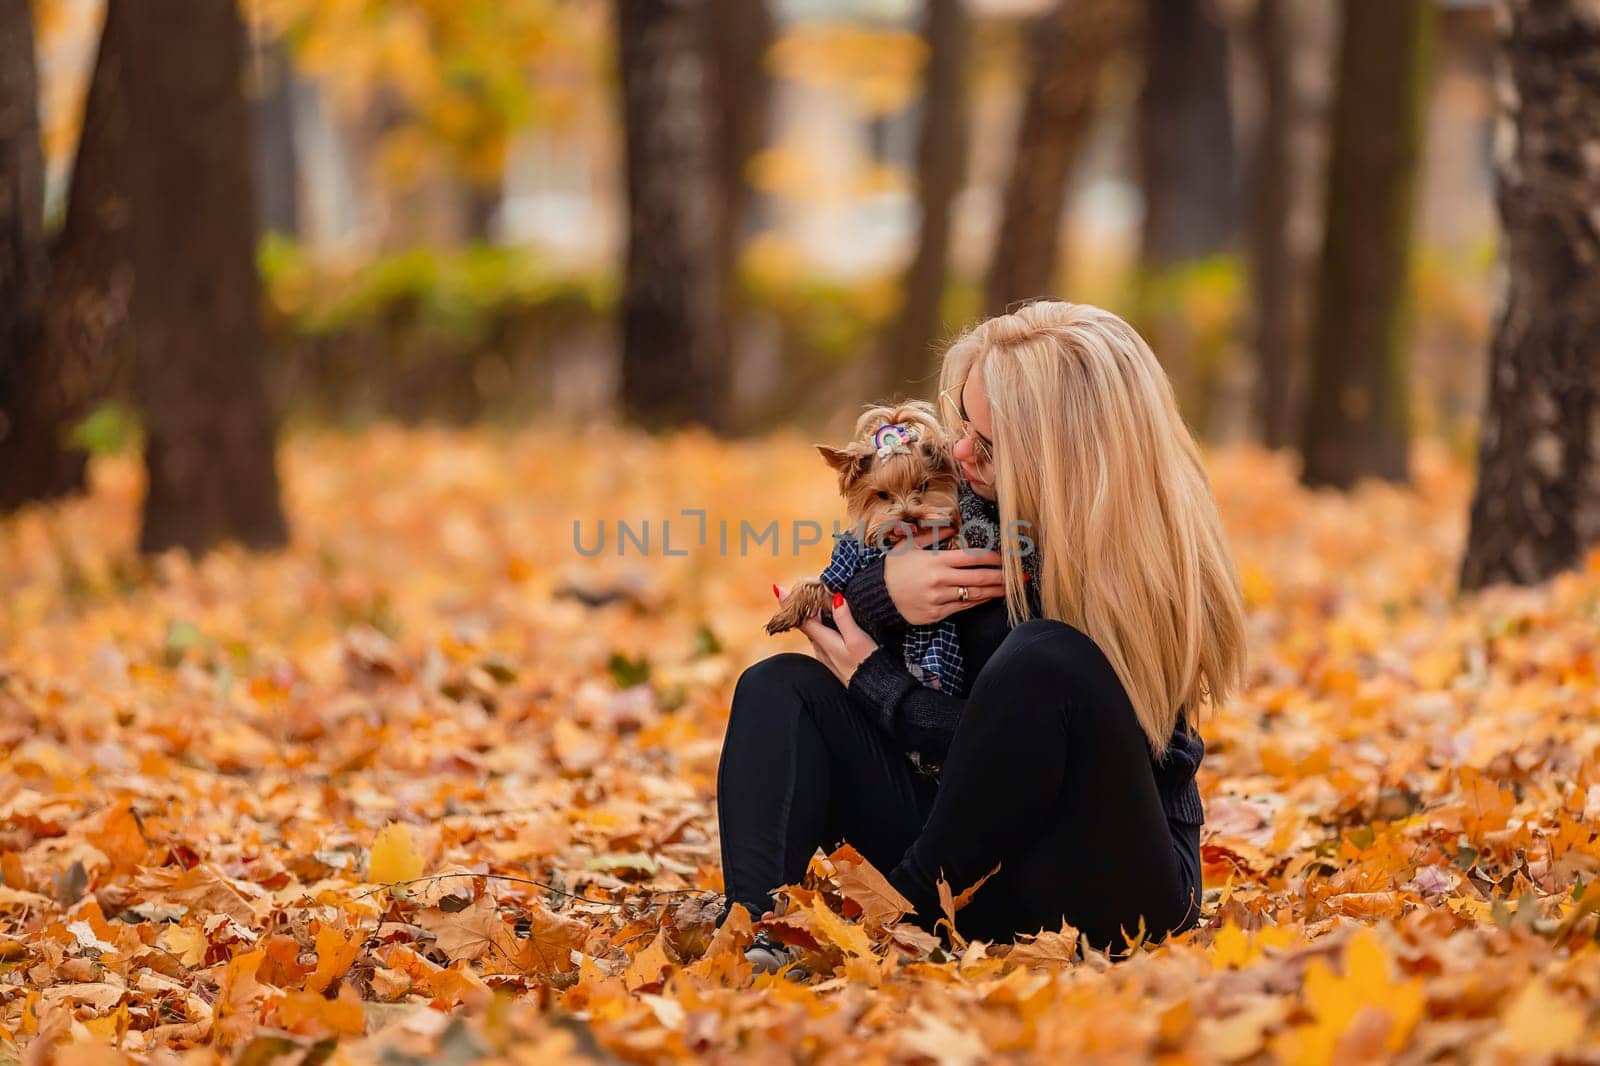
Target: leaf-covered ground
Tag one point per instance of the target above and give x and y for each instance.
(208, 768)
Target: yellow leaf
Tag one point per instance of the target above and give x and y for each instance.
(972, 890)
(861, 882)
(187, 942)
(394, 857)
(1539, 1022)
(1047, 950)
(310, 1013)
(1435, 667)
(1234, 947)
(845, 935)
(645, 968)
(1230, 947)
(1257, 586)
(552, 938)
(1334, 1001)
(238, 997)
(335, 953)
(469, 933)
(1243, 1033)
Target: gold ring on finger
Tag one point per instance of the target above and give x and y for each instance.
(961, 592)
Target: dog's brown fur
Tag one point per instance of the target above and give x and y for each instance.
(885, 497)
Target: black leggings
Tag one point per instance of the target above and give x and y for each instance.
(1048, 775)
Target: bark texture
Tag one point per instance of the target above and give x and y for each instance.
(1357, 416)
(209, 452)
(674, 317)
(33, 463)
(1071, 47)
(1536, 509)
(1186, 154)
(277, 152)
(22, 250)
(941, 171)
(81, 344)
(1289, 39)
(739, 35)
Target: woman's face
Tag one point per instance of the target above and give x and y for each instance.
(975, 401)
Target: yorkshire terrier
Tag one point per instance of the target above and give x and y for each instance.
(897, 476)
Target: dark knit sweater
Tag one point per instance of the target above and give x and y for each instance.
(923, 720)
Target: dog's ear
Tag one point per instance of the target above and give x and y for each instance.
(849, 462)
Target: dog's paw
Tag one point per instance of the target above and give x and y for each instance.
(805, 600)
(787, 618)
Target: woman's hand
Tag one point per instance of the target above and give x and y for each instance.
(843, 651)
(924, 585)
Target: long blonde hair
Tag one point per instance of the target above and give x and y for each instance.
(1093, 454)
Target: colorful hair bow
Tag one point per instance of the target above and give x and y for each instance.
(894, 437)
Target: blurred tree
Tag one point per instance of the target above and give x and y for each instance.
(1537, 503)
(1287, 38)
(68, 356)
(741, 33)
(277, 157)
(1186, 157)
(674, 303)
(941, 171)
(30, 458)
(1187, 176)
(1357, 418)
(196, 310)
(1070, 48)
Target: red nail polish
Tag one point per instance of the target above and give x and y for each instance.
(838, 600)
(1027, 577)
(776, 594)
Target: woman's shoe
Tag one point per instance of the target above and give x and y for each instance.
(768, 955)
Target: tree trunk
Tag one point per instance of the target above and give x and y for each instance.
(1186, 157)
(196, 300)
(941, 171)
(277, 156)
(22, 248)
(1537, 504)
(739, 34)
(27, 458)
(1287, 39)
(1071, 48)
(1357, 418)
(480, 209)
(1272, 254)
(674, 317)
(80, 349)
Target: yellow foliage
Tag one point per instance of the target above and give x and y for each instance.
(1400, 807)
(394, 857)
(879, 68)
(1337, 1001)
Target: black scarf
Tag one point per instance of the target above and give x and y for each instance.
(980, 528)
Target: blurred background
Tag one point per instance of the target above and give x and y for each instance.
(442, 189)
(734, 214)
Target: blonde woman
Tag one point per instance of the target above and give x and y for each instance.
(1111, 614)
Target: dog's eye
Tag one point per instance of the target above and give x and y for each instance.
(922, 487)
(882, 495)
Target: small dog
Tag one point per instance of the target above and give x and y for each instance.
(896, 476)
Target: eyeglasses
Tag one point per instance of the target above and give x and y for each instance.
(982, 447)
